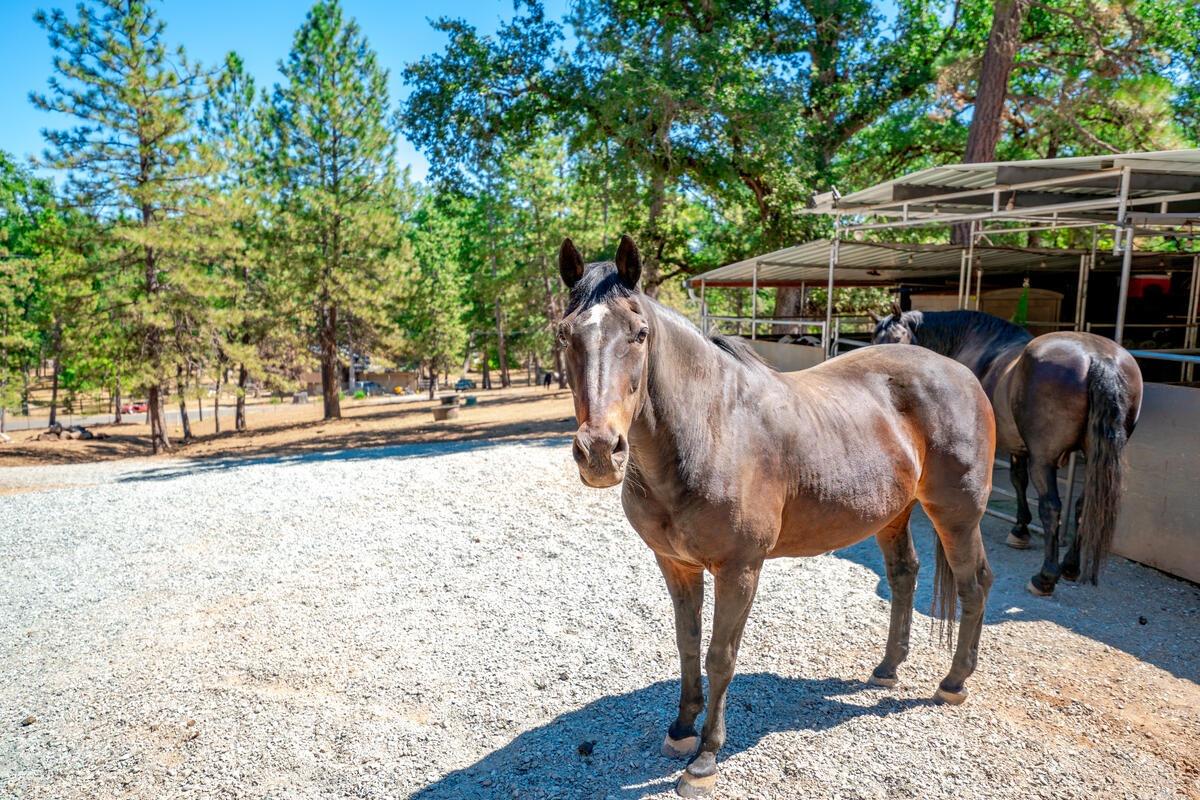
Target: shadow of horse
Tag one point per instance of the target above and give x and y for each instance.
(1111, 613)
(609, 748)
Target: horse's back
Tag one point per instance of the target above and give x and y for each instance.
(942, 399)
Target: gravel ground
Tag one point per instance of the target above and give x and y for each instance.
(458, 620)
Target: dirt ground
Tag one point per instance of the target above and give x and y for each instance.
(456, 619)
(519, 412)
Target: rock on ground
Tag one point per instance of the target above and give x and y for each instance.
(469, 621)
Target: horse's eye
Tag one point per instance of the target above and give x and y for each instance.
(642, 334)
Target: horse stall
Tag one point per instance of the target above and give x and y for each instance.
(1148, 299)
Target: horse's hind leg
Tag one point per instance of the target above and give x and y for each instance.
(1018, 537)
(1045, 480)
(901, 562)
(1070, 563)
(686, 585)
(966, 560)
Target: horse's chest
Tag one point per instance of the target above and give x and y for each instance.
(688, 531)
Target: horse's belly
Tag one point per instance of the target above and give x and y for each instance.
(810, 531)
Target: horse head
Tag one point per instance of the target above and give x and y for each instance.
(604, 338)
(895, 328)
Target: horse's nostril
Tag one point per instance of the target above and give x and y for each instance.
(579, 451)
(621, 449)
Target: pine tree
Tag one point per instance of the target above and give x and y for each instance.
(432, 311)
(132, 159)
(334, 163)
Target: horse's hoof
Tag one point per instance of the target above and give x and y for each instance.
(679, 748)
(1070, 576)
(695, 785)
(1036, 591)
(952, 698)
(1017, 542)
(875, 680)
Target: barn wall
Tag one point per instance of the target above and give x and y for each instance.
(787, 357)
(1160, 513)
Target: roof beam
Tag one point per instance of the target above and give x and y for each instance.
(907, 191)
(1139, 180)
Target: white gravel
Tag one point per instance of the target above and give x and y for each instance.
(456, 620)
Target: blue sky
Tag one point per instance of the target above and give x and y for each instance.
(260, 30)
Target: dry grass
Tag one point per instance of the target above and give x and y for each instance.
(524, 412)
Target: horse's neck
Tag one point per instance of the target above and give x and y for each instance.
(983, 355)
(690, 386)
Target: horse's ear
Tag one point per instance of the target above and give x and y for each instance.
(897, 311)
(570, 263)
(629, 262)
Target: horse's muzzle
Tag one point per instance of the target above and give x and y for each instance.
(601, 454)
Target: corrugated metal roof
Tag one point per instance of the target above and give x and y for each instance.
(983, 176)
(876, 263)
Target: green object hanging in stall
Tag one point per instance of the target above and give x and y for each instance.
(1021, 315)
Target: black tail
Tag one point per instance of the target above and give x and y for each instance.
(1108, 409)
(945, 595)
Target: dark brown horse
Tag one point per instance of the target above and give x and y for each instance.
(726, 463)
(1052, 395)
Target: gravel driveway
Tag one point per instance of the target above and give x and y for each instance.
(458, 620)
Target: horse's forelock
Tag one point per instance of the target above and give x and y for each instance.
(600, 284)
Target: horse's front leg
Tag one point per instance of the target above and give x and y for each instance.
(734, 588)
(686, 585)
(1070, 564)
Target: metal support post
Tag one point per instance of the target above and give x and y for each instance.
(826, 334)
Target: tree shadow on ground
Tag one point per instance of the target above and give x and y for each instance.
(355, 447)
(1108, 613)
(627, 730)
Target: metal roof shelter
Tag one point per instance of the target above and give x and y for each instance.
(1136, 194)
(874, 263)
(1157, 188)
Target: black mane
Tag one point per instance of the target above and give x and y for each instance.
(949, 332)
(599, 284)
(740, 349)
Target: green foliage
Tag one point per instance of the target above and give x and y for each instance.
(207, 227)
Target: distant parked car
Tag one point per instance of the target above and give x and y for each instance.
(371, 388)
(136, 407)
(464, 384)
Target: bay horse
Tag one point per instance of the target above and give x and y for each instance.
(726, 463)
(1052, 395)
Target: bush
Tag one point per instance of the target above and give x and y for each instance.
(276, 400)
(360, 394)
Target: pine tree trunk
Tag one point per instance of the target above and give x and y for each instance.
(501, 347)
(487, 371)
(432, 379)
(183, 412)
(987, 119)
(199, 383)
(658, 202)
(217, 403)
(330, 383)
(240, 415)
(24, 390)
(117, 404)
(159, 439)
(54, 394)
